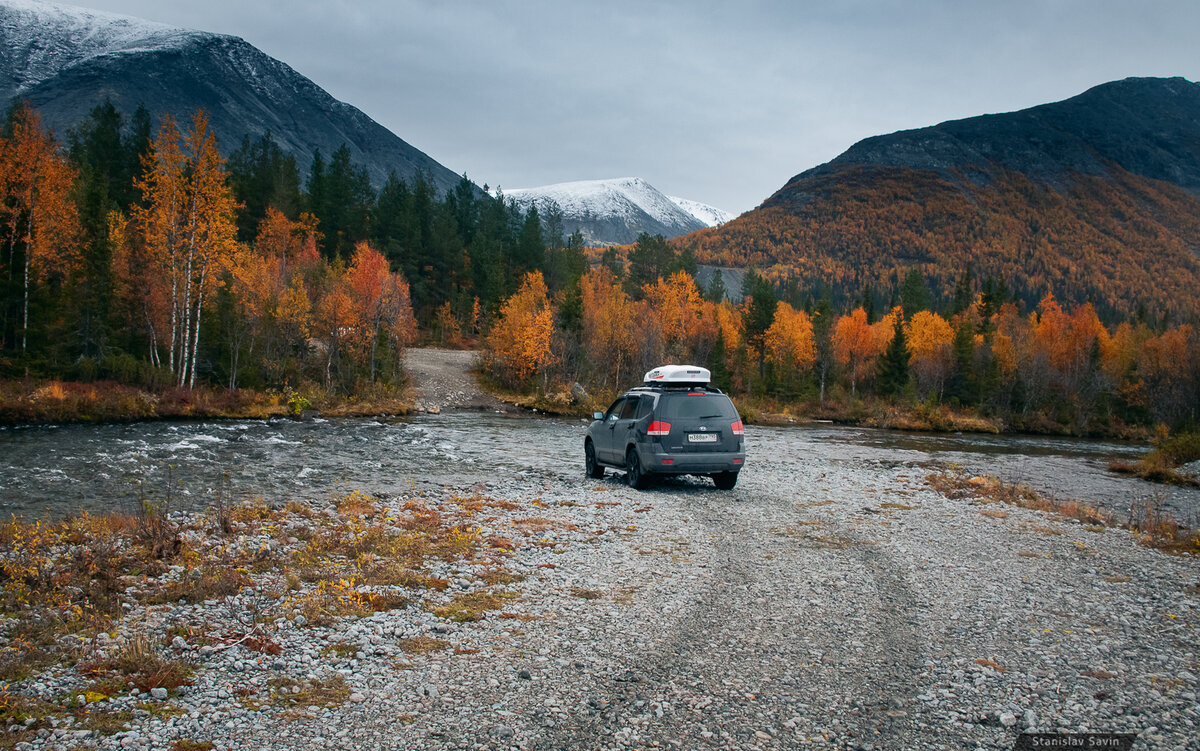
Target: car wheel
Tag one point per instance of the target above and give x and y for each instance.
(725, 480)
(633, 470)
(589, 461)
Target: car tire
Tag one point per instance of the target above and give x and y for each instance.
(725, 480)
(591, 466)
(634, 475)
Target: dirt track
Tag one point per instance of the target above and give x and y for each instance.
(444, 381)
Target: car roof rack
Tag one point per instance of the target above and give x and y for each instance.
(659, 388)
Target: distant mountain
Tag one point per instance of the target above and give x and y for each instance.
(1092, 198)
(710, 215)
(66, 60)
(615, 212)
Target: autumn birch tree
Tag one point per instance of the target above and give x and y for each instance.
(187, 221)
(35, 194)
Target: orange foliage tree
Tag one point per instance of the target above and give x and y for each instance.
(35, 186)
(607, 323)
(930, 342)
(381, 303)
(789, 340)
(855, 346)
(685, 317)
(519, 343)
(186, 221)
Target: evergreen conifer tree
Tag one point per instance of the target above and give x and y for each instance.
(891, 375)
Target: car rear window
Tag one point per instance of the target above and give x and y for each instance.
(698, 406)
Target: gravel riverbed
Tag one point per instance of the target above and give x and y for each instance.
(823, 604)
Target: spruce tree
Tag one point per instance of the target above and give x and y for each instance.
(650, 259)
(914, 295)
(717, 365)
(891, 376)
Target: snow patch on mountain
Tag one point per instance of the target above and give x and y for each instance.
(39, 40)
(710, 215)
(618, 197)
(612, 211)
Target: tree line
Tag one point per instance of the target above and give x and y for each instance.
(139, 254)
(1049, 367)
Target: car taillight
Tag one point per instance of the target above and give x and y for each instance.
(658, 427)
(737, 428)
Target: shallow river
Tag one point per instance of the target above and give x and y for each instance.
(53, 470)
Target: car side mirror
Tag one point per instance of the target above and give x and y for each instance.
(597, 415)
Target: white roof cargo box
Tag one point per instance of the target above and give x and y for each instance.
(679, 374)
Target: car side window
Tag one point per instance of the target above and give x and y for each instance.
(630, 408)
(646, 407)
(614, 411)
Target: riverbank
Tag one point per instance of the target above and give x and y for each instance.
(29, 402)
(576, 401)
(822, 604)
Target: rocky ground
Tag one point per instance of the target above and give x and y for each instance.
(822, 604)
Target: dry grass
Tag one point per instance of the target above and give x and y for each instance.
(328, 692)
(1155, 528)
(586, 594)
(205, 583)
(80, 575)
(137, 663)
(471, 606)
(340, 649)
(1159, 465)
(419, 645)
(494, 576)
(398, 575)
(357, 504)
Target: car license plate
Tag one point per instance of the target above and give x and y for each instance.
(702, 437)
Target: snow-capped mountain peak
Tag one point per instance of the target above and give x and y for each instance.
(710, 215)
(613, 211)
(42, 39)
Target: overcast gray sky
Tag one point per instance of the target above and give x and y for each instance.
(717, 102)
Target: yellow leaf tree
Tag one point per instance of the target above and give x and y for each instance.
(520, 342)
(931, 344)
(789, 340)
(35, 202)
(607, 323)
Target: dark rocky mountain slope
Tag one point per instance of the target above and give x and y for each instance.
(1092, 198)
(66, 60)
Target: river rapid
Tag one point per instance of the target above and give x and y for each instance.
(56, 470)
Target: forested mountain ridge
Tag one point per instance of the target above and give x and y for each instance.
(66, 60)
(1092, 198)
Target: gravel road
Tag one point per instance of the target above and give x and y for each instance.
(821, 604)
(443, 381)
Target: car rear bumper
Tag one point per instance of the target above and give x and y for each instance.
(692, 463)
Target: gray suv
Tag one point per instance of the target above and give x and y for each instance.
(675, 424)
